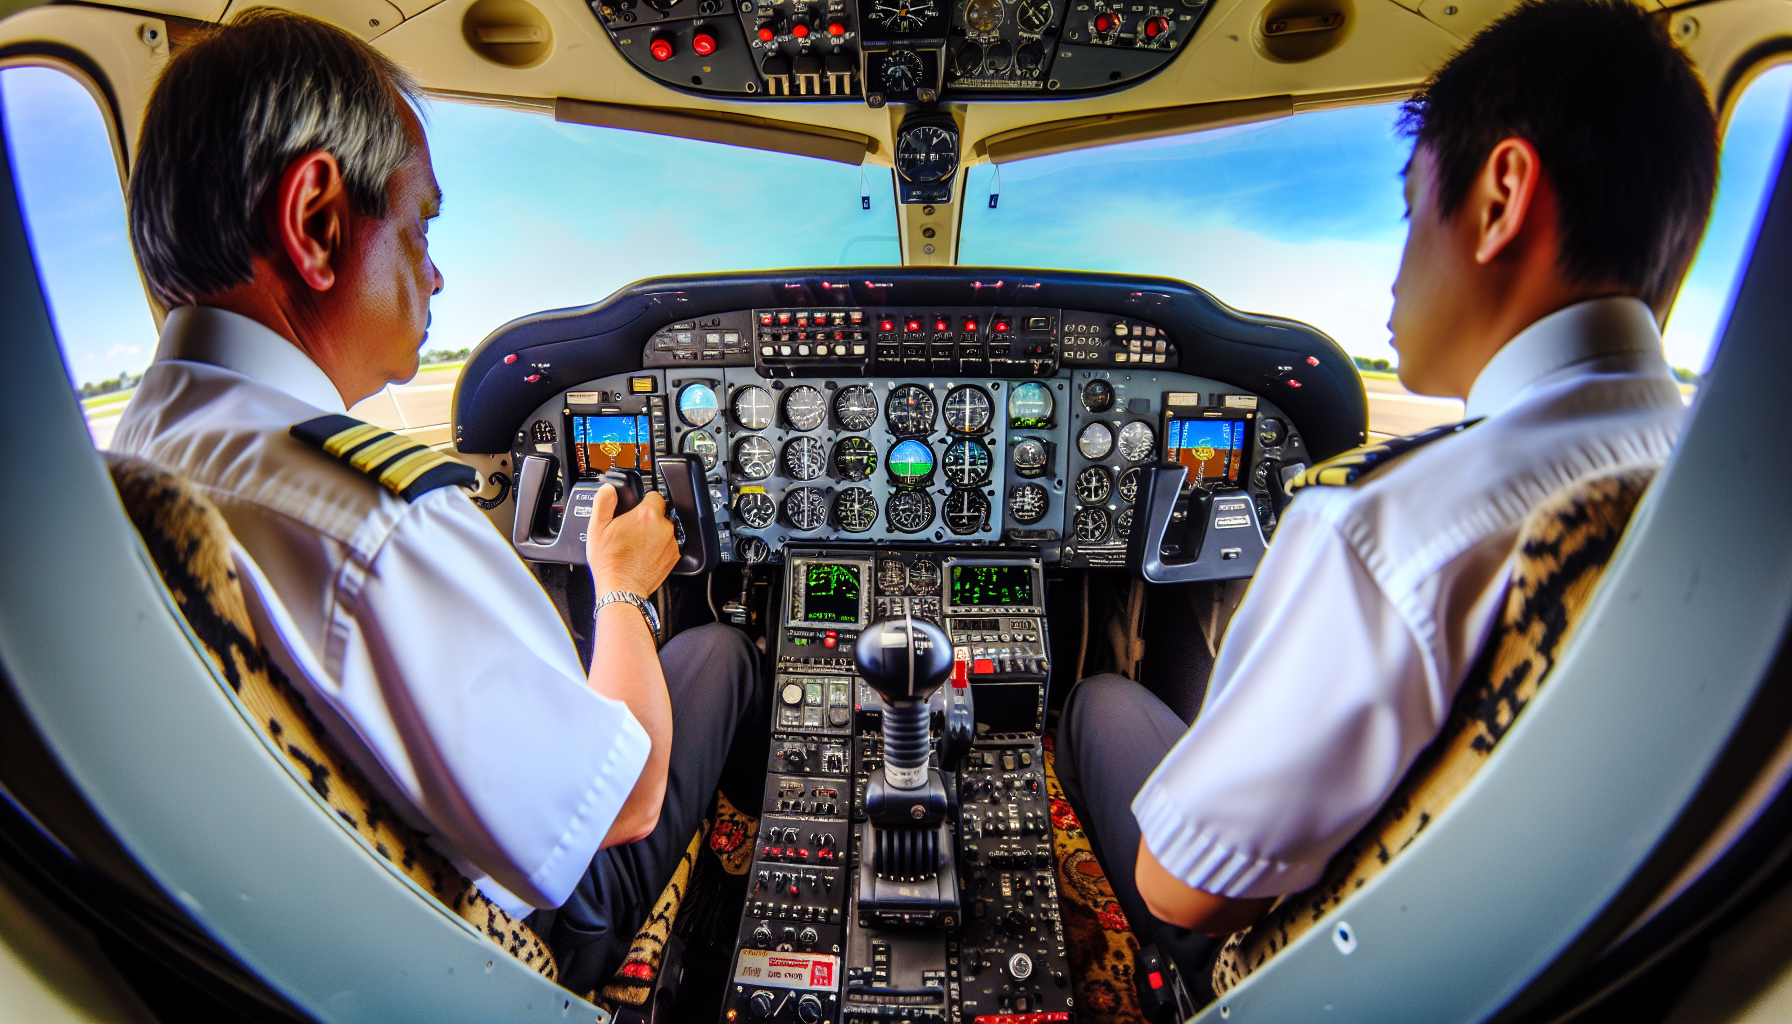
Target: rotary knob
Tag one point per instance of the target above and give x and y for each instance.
(808, 1008)
(762, 936)
(759, 1005)
(1020, 967)
(792, 694)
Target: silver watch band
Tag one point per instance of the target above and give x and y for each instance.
(630, 597)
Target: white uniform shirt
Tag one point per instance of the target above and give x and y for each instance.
(416, 634)
(1342, 662)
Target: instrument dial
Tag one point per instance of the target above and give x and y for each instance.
(854, 459)
(1033, 16)
(855, 510)
(1028, 503)
(1137, 441)
(1098, 396)
(1123, 524)
(1094, 485)
(1096, 440)
(697, 405)
(755, 509)
(984, 16)
(753, 458)
(910, 410)
(702, 446)
(924, 576)
(856, 407)
(752, 407)
(902, 72)
(804, 408)
(911, 463)
(927, 152)
(909, 511)
(1091, 524)
(1030, 405)
(1269, 432)
(751, 550)
(1030, 456)
(805, 508)
(892, 577)
(967, 511)
(968, 60)
(804, 458)
(968, 409)
(903, 17)
(967, 463)
(1129, 485)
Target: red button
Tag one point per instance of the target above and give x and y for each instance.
(1156, 978)
(999, 326)
(983, 667)
(959, 669)
(1155, 27)
(703, 43)
(941, 325)
(765, 318)
(1103, 23)
(970, 325)
(1294, 383)
(830, 642)
(511, 358)
(800, 30)
(661, 49)
(913, 325)
(886, 325)
(836, 29)
(533, 377)
(766, 35)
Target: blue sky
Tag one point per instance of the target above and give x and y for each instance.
(1299, 217)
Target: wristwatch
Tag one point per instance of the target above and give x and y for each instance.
(630, 597)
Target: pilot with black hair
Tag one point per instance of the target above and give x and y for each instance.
(279, 208)
(1562, 171)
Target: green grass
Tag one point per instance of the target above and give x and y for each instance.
(107, 400)
(1378, 374)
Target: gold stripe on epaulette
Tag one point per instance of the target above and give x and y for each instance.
(380, 451)
(346, 439)
(405, 471)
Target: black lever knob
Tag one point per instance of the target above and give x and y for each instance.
(903, 659)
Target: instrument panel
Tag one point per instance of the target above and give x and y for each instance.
(938, 427)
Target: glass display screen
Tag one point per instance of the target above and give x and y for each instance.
(601, 443)
(992, 586)
(1212, 449)
(831, 593)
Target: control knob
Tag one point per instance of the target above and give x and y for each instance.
(1020, 967)
(1157, 28)
(808, 1008)
(759, 1005)
(661, 48)
(703, 43)
(808, 938)
(762, 936)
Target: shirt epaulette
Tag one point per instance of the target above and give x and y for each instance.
(401, 465)
(1345, 469)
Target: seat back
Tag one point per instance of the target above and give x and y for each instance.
(1563, 549)
(191, 546)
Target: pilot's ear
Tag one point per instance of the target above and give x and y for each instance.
(310, 217)
(1504, 192)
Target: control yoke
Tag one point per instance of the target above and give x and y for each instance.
(1191, 534)
(692, 515)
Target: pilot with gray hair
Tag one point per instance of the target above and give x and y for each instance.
(279, 208)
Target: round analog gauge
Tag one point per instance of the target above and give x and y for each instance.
(967, 511)
(1137, 441)
(1030, 456)
(697, 405)
(984, 15)
(701, 445)
(1033, 16)
(804, 458)
(1030, 405)
(805, 508)
(902, 69)
(752, 407)
(1090, 525)
(910, 410)
(911, 463)
(909, 511)
(751, 550)
(968, 60)
(1269, 432)
(753, 458)
(968, 410)
(1028, 503)
(1000, 55)
(967, 463)
(1094, 485)
(1098, 396)
(755, 509)
(804, 408)
(1129, 485)
(928, 152)
(1123, 524)
(855, 510)
(892, 577)
(856, 407)
(1096, 440)
(903, 17)
(924, 576)
(854, 458)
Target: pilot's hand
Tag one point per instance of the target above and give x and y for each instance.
(634, 551)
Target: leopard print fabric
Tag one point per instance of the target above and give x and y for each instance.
(189, 542)
(1564, 548)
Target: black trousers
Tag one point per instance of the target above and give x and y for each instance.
(1112, 734)
(712, 675)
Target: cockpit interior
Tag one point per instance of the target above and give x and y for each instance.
(1013, 476)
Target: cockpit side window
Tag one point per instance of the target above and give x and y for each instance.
(66, 172)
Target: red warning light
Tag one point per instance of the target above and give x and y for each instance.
(661, 49)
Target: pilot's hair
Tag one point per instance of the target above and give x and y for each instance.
(1619, 119)
(231, 111)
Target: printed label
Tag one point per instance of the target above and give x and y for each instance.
(1231, 522)
(786, 970)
